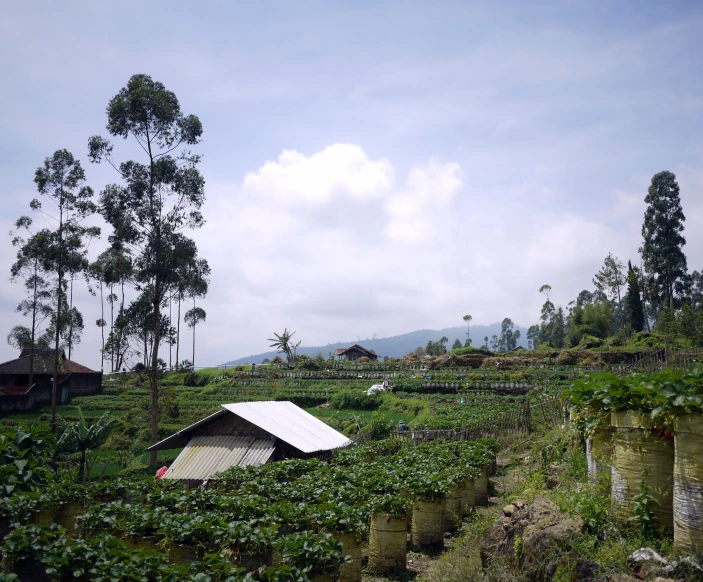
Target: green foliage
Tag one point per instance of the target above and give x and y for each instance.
(25, 456)
(665, 394)
(284, 344)
(309, 552)
(380, 426)
(594, 320)
(634, 307)
(643, 516)
(355, 400)
(468, 412)
(80, 436)
(589, 342)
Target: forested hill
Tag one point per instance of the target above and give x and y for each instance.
(398, 345)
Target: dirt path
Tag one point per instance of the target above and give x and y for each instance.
(460, 560)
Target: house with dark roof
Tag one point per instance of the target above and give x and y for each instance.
(248, 433)
(355, 352)
(74, 379)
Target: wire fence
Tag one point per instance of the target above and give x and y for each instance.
(502, 426)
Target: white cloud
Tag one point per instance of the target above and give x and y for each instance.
(367, 253)
(338, 170)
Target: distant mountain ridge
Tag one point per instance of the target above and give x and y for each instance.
(396, 346)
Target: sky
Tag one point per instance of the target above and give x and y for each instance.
(373, 167)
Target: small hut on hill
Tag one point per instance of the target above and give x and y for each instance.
(74, 379)
(353, 353)
(248, 433)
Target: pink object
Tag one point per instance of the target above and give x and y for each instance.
(161, 472)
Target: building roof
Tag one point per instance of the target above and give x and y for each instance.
(291, 424)
(43, 364)
(204, 456)
(340, 351)
(283, 420)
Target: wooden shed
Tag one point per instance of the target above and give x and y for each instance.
(248, 433)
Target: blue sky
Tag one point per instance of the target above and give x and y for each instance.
(377, 167)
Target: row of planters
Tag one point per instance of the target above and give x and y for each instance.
(298, 515)
(46, 553)
(424, 491)
(645, 435)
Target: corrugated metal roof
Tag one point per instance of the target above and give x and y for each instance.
(175, 441)
(291, 424)
(258, 454)
(206, 455)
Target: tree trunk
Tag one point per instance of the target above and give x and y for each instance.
(170, 337)
(34, 327)
(193, 333)
(154, 371)
(55, 383)
(102, 327)
(178, 332)
(70, 321)
(81, 468)
(112, 329)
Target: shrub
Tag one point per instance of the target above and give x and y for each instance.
(589, 341)
(566, 358)
(355, 400)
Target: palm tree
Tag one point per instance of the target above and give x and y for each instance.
(78, 437)
(467, 319)
(283, 344)
(192, 318)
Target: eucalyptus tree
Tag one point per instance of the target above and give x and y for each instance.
(662, 249)
(113, 268)
(159, 197)
(608, 281)
(192, 318)
(547, 316)
(611, 277)
(192, 283)
(467, 319)
(66, 203)
(533, 337)
(37, 304)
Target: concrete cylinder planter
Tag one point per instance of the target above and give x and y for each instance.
(66, 514)
(428, 522)
(388, 543)
(640, 455)
(182, 553)
(599, 452)
(43, 516)
(468, 500)
(251, 561)
(142, 543)
(351, 546)
(481, 487)
(688, 483)
(453, 510)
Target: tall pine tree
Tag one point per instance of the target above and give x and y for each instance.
(635, 311)
(662, 250)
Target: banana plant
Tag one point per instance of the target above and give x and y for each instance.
(80, 437)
